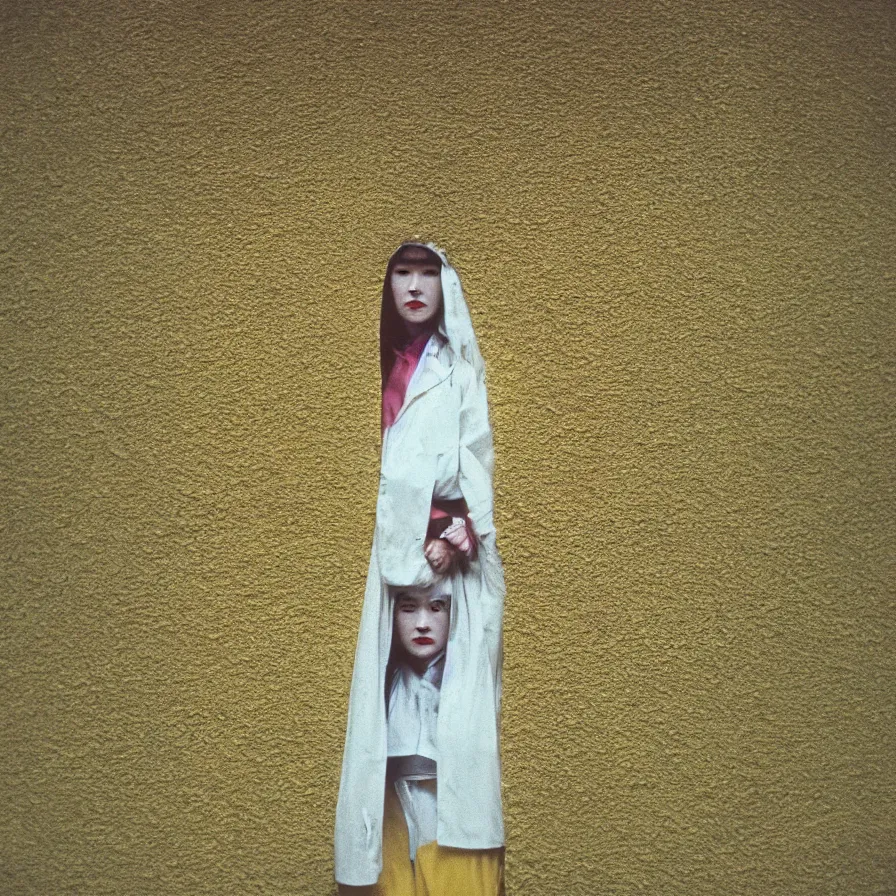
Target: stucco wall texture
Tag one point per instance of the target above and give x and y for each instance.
(675, 225)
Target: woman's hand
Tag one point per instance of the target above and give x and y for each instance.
(459, 536)
(440, 555)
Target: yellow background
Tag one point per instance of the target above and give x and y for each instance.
(675, 225)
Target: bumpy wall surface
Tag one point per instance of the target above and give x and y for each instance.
(675, 225)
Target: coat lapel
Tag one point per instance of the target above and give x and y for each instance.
(436, 363)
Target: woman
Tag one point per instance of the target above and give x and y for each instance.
(437, 462)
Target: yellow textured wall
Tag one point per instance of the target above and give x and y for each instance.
(675, 225)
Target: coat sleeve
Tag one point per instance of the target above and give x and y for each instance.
(476, 454)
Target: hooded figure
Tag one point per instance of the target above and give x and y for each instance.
(437, 449)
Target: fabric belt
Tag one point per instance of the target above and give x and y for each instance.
(415, 768)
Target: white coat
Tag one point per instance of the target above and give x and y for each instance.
(440, 445)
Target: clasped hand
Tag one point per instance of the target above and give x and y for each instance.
(440, 554)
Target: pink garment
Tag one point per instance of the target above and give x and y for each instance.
(397, 384)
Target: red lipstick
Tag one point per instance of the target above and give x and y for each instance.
(414, 305)
(424, 641)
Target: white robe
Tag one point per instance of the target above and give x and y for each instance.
(439, 446)
(412, 721)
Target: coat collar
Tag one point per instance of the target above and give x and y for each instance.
(436, 363)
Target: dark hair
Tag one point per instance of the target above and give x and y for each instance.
(393, 334)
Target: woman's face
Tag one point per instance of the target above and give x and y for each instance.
(416, 282)
(421, 622)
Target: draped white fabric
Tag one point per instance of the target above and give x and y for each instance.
(440, 446)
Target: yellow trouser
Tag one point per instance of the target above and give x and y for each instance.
(438, 870)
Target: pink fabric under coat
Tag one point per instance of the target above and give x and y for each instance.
(397, 385)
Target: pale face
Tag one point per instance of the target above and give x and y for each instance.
(416, 282)
(421, 622)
